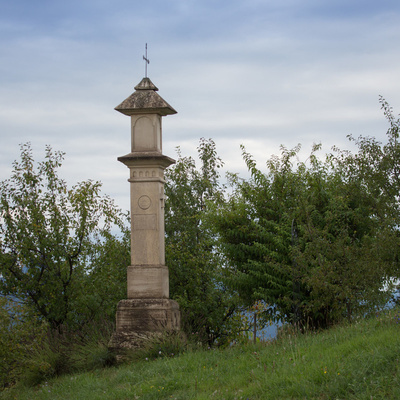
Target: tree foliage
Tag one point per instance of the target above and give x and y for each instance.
(194, 265)
(49, 237)
(317, 239)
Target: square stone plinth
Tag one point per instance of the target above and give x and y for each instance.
(141, 319)
(148, 282)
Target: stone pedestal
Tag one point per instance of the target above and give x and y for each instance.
(141, 319)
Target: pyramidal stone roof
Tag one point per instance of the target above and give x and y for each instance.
(145, 100)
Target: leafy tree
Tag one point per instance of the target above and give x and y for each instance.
(48, 236)
(105, 281)
(255, 233)
(337, 255)
(196, 269)
(377, 166)
(305, 237)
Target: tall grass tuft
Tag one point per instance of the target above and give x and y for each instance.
(165, 344)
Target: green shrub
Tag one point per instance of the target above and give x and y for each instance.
(31, 353)
(21, 335)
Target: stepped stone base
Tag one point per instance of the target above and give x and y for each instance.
(139, 320)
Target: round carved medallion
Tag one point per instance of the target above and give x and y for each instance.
(144, 202)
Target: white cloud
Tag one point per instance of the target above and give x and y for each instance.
(255, 72)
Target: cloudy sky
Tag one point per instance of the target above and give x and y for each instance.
(254, 72)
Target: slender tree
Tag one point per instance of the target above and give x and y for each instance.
(195, 267)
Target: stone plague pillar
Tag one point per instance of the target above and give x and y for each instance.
(147, 311)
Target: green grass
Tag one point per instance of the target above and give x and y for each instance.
(360, 361)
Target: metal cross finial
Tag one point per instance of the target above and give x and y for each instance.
(147, 61)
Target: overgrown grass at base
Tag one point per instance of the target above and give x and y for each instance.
(360, 361)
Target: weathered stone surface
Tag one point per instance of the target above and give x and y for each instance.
(146, 84)
(148, 158)
(148, 282)
(145, 100)
(147, 207)
(148, 311)
(141, 319)
(142, 315)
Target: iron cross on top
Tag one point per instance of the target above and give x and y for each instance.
(147, 61)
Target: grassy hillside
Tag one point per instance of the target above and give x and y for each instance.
(354, 362)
